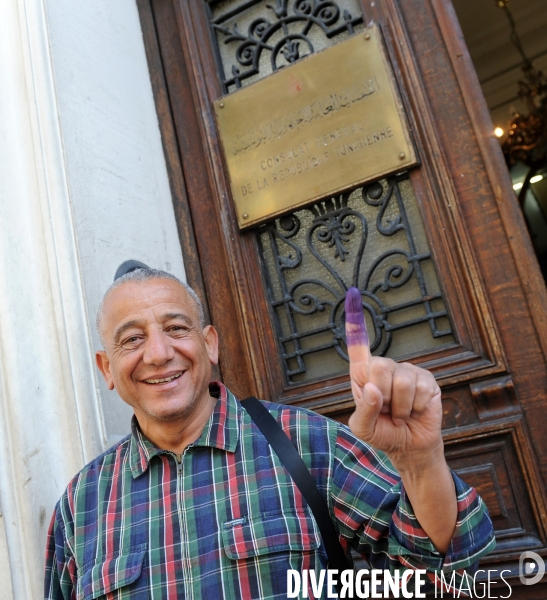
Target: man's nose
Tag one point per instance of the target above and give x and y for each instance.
(158, 349)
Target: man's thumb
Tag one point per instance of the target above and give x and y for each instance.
(367, 409)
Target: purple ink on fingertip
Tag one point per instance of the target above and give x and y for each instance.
(356, 330)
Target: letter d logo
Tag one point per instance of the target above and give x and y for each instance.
(531, 568)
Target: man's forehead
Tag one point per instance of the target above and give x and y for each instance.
(159, 295)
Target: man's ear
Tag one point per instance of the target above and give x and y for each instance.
(211, 342)
(104, 367)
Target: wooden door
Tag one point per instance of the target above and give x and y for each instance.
(473, 309)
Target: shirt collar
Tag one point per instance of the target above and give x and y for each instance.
(221, 431)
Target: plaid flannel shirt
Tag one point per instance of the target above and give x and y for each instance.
(227, 522)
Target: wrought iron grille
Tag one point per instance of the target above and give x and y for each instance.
(257, 37)
(371, 238)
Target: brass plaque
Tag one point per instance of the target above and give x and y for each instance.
(332, 121)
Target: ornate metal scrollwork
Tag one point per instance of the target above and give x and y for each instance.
(314, 255)
(282, 33)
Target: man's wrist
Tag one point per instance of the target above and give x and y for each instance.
(420, 463)
(430, 489)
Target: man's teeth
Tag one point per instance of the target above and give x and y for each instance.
(164, 380)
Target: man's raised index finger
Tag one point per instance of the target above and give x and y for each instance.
(356, 330)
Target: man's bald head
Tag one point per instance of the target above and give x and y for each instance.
(139, 276)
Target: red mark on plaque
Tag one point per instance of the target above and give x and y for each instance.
(294, 86)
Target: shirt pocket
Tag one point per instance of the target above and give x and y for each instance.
(270, 532)
(107, 578)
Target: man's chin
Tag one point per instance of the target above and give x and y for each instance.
(170, 410)
(170, 414)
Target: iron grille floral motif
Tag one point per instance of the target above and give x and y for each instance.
(350, 249)
(282, 33)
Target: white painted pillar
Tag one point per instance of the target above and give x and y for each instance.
(50, 422)
(119, 188)
(6, 591)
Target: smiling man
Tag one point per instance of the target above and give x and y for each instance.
(194, 503)
(158, 356)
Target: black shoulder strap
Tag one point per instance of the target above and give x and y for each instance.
(297, 469)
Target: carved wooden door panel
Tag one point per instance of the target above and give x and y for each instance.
(439, 251)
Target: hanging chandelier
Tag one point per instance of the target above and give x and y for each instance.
(525, 140)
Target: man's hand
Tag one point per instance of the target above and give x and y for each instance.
(397, 405)
(398, 410)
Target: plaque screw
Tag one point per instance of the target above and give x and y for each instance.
(221, 105)
(402, 155)
(245, 216)
(367, 36)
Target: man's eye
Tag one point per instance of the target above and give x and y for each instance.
(130, 341)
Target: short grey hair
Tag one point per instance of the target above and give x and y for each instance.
(140, 275)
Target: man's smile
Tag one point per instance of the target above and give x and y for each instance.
(164, 379)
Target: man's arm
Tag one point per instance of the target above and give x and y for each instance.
(60, 569)
(375, 516)
(398, 410)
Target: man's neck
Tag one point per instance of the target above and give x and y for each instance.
(178, 434)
